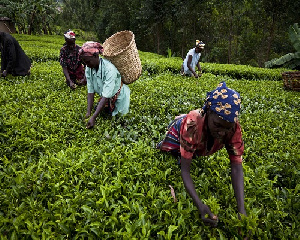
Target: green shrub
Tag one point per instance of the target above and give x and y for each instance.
(62, 181)
(156, 64)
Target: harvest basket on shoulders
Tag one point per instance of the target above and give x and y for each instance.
(291, 80)
(120, 49)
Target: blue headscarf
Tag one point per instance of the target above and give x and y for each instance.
(224, 101)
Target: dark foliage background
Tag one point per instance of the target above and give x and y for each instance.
(240, 32)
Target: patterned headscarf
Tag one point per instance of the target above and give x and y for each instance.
(200, 44)
(91, 49)
(224, 101)
(69, 34)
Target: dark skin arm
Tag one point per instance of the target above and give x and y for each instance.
(66, 73)
(4, 73)
(100, 106)
(237, 178)
(90, 102)
(190, 67)
(83, 81)
(206, 215)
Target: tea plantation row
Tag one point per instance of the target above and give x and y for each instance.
(45, 48)
(59, 180)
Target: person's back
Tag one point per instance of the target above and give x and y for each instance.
(13, 59)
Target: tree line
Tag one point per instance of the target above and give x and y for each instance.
(234, 31)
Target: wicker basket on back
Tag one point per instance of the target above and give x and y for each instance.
(120, 49)
(291, 80)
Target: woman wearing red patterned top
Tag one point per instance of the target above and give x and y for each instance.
(203, 132)
(70, 61)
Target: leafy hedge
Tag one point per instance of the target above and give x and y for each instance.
(42, 48)
(46, 48)
(59, 180)
(157, 65)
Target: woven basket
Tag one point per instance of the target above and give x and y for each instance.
(121, 50)
(291, 80)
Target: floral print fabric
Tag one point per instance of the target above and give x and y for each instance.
(69, 58)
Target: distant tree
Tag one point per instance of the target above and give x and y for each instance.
(80, 14)
(31, 16)
(113, 16)
(290, 60)
(234, 31)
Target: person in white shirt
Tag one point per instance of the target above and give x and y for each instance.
(192, 59)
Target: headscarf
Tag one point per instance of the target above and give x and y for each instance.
(224, 101)
(91, 49)
(69, 34)
(200, 44)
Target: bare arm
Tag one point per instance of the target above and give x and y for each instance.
(90, 102)
(66, 73)
(100, 106)
(3, 74)
(190, 188)
(190, 67)
(237, 179)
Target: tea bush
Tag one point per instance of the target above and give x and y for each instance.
(46, 48)
(156, 65)
(59, 180)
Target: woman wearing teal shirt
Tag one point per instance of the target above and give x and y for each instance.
(103, 78)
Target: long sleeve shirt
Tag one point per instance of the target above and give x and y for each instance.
(194, 139)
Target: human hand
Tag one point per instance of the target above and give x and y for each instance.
(4, 73)
(90, 123)
(240, 232)
(82, 82)
(87, 115)
(72, 85)
(243, 211)
(208, 217)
